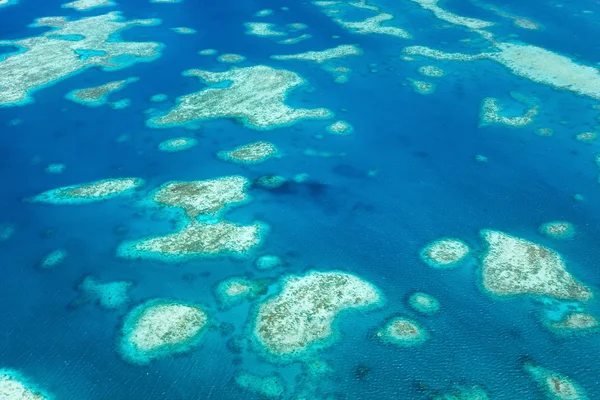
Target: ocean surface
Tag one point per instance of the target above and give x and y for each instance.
(405, 177)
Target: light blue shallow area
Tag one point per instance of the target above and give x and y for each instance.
(427, 186)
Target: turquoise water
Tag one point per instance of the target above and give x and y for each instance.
(425, 185)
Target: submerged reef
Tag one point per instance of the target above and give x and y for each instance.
(159, 328)
(252, 153)
(558, 230)
(85, 5)
(177, 144)
(14, 386)
(270, 181)
(209, 196)
(89, 192)
(322, 56)
(302, 314)
(444, 253)
(555, 385)
(268, 261)
(235, 290)
(491, 113)
(56, 168)
(531, 62)
(463, 393)
(402, 332)
(586, 136)
(269, 386)
(69, 48)
(197, 240)
(109, 295)
(424, 303)
(182, 30)
(514, 266)
(97, 96)
(53, 259)
(255, 95)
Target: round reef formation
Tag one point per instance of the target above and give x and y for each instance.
(424, 303)
(269, 386)
(177, 144)
(210, 196)
(402, 332)
(235, 290)
(110, 295)
(268, 261)
(197, 240)
(159, 328)
(301, 315)
(231, 58)
(14, 386)
(444, 253)
(555, 385)
(89, 192)
(431, 71)
(514, 266)
(558, 230)
(252, 153)
(340, 128)
(254, 95)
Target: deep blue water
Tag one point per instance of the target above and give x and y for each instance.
(428, 186)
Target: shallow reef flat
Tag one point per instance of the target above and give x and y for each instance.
(444, 15)
(235, 290)
(177, 144)
(97, 96)
(255, 95)
(85, 5)
(575, 323)
(515, 266)
(403, 332)
(373, 25)
(210, 196)
(554, 385)
(68, 48)
(531, 62)
(197, 239)
(14, 386)
(301, 316)
(89, 192)
(159, 328)
(251, 153)
(558, 230)
(322, 56)
(445, 253)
